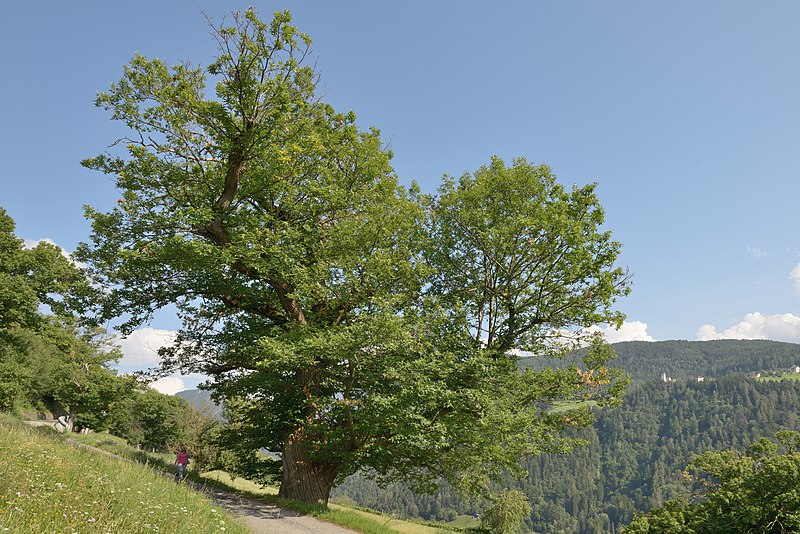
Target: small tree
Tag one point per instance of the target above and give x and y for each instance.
(76, 373)
(200, 431)
(506, 514)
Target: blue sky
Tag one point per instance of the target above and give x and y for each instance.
(687, 114)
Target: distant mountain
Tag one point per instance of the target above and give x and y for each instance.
(201, 400)
(648, 360)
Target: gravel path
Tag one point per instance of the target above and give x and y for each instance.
(264, 518)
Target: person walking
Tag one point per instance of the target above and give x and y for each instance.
(181, 460)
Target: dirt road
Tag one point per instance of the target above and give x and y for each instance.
(263, 518)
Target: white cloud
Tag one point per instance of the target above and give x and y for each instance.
(629, 331)
(140, 348)
(756, 252)
(795, 277)
(168, 385)
(779, 327)
(32, 243)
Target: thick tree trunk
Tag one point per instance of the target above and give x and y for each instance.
(304, 479)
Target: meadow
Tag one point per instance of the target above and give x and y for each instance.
(358, 519)
(48, 486)
(785, 376)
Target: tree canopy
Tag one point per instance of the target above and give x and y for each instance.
(349, 323)
(754, 491)
(47, 356)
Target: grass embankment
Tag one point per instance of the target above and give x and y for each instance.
(366, 522)
(48, 486)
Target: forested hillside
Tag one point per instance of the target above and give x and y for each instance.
(689, 359)
(635, 454)
(648, 360)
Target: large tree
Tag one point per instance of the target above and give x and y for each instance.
(321, 296)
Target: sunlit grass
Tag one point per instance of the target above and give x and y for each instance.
(464, 521)
(787, 376)
(362, 521)
(239, 484)
(118, 446)
(381, 523)
(565, 406)
(48, 486)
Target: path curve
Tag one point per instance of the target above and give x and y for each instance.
(265, 518)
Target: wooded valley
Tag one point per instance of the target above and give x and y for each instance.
(635, 454)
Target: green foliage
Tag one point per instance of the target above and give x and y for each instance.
(149, 419)
(754, 491)
(323, 297)
(506, 513)
(671, 518)
(200, 429)
(49, 361)
(520, 256)
(154, 421)
(56, 363)
(635, 454)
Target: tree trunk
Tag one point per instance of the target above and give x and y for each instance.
(305, 479)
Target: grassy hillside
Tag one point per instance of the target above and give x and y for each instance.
(47, 485)
(357, 520)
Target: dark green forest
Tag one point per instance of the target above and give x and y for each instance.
(644, 360)
(635, 454)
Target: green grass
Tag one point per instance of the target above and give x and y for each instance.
(367, 522)
(238, 484)
(48, 486)
(464, 522)
(787, 376)
(364, 521)
(118, 446)
(565, 406)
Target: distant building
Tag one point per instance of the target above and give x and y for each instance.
(701, 379)
(794, 369)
